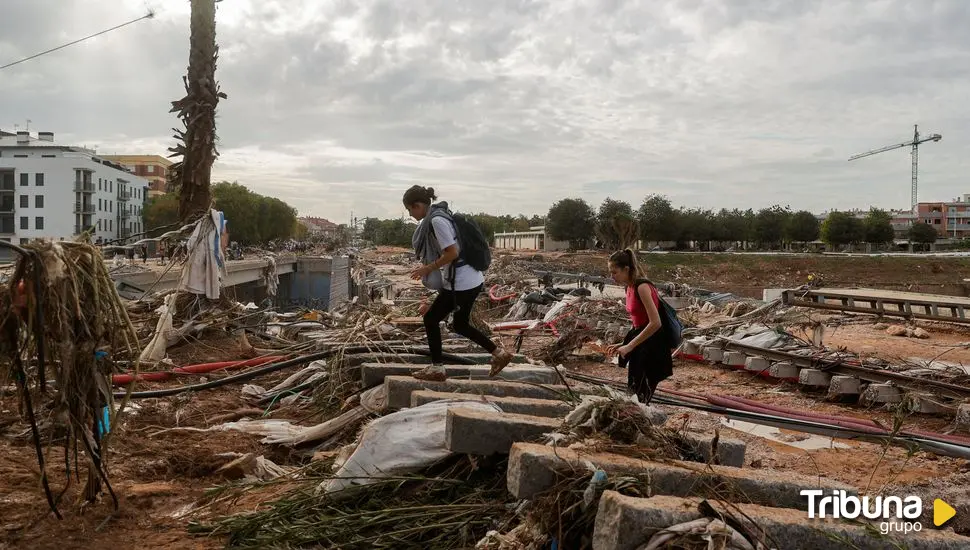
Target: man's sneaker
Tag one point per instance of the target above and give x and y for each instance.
(500, 360)
(433, 373)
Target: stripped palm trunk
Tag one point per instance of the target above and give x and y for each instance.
(196, 144)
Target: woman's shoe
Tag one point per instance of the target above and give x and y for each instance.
(433, 373)
(500, 360)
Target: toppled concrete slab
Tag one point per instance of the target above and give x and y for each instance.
(628, 523)
(359, 359)
(399, 389)
(534, 469)
(484, 433)
(730, 452)
(373, 374)
(516, 405)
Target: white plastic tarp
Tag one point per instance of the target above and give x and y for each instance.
(400, 443)
(202, 273)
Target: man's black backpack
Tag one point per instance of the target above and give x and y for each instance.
(473, 248)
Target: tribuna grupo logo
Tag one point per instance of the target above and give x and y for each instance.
(894, 513)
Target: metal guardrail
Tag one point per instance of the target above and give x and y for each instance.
(894, 304)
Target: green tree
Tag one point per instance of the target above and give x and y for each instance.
(922, 233)
(840, 228)
(878, 227)
(613, 222)
(571, 220)
(658, 220)
(159, 212)
(694, 225)
(770, 224)
(802, 227)
(730, 226)
(253, 218)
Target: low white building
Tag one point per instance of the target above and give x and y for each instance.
(533, 239)
(56, 192)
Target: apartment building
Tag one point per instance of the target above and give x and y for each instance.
(54, 191)
(153, 168)
(535, 238)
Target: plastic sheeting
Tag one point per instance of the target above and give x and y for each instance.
(164, 334)
(400, 443)
(202, 273)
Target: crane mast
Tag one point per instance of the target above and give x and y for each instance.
(915, 153)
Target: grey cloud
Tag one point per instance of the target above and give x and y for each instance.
(713, 102)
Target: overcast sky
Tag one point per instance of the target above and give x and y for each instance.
(509, 105)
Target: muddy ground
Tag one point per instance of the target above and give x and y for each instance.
(157, 476)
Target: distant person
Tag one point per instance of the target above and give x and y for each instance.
(458, 284)
(645, 350)
(144, 254)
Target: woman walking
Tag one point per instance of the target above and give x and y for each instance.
(458, 284)
(645, 351)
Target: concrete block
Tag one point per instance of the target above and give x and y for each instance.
(730, 452)
(712, 354)
(734, 359)
(627, 523)
(516, 405)
(842, 386)
(962, 418)
(783, 370)
(359, 359)
(690, 348)
(373, 374)
(877, 394)
(771, 294)
(399, 389)
(534, 468)
(757, 365)
(474, 432)
(924, 404)
(814, 378)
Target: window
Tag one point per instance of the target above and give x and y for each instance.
(24, 242)
(39, 222)
(49, 156)
(39, 179)
(6, 181)
(24, 201)
(110, 225)
(38, 201)
(24, 180)
(99, 185)
(111, 187)
(20, 156)
(99, 205)
(24, 222)
(151, 169)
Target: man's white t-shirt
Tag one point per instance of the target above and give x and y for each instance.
(466, 276)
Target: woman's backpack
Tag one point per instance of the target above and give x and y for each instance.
(670, 324)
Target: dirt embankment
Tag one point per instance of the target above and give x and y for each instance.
(748, 274)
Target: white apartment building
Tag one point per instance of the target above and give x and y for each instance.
(56, 192)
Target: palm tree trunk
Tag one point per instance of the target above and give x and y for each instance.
(196, 144)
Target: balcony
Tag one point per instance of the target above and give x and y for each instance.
(86, 187)
(124, 194)
(81, 208)
(123, 215)
(78, 229)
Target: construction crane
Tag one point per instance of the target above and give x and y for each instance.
(915, 144)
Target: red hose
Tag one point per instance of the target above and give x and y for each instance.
(201, 368)
(494, 298)
(723, 402)
(783, 410)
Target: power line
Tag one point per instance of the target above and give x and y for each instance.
(149, 15)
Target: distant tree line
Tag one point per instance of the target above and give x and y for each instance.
(617, 225)
(397, 232)
(253, 218)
